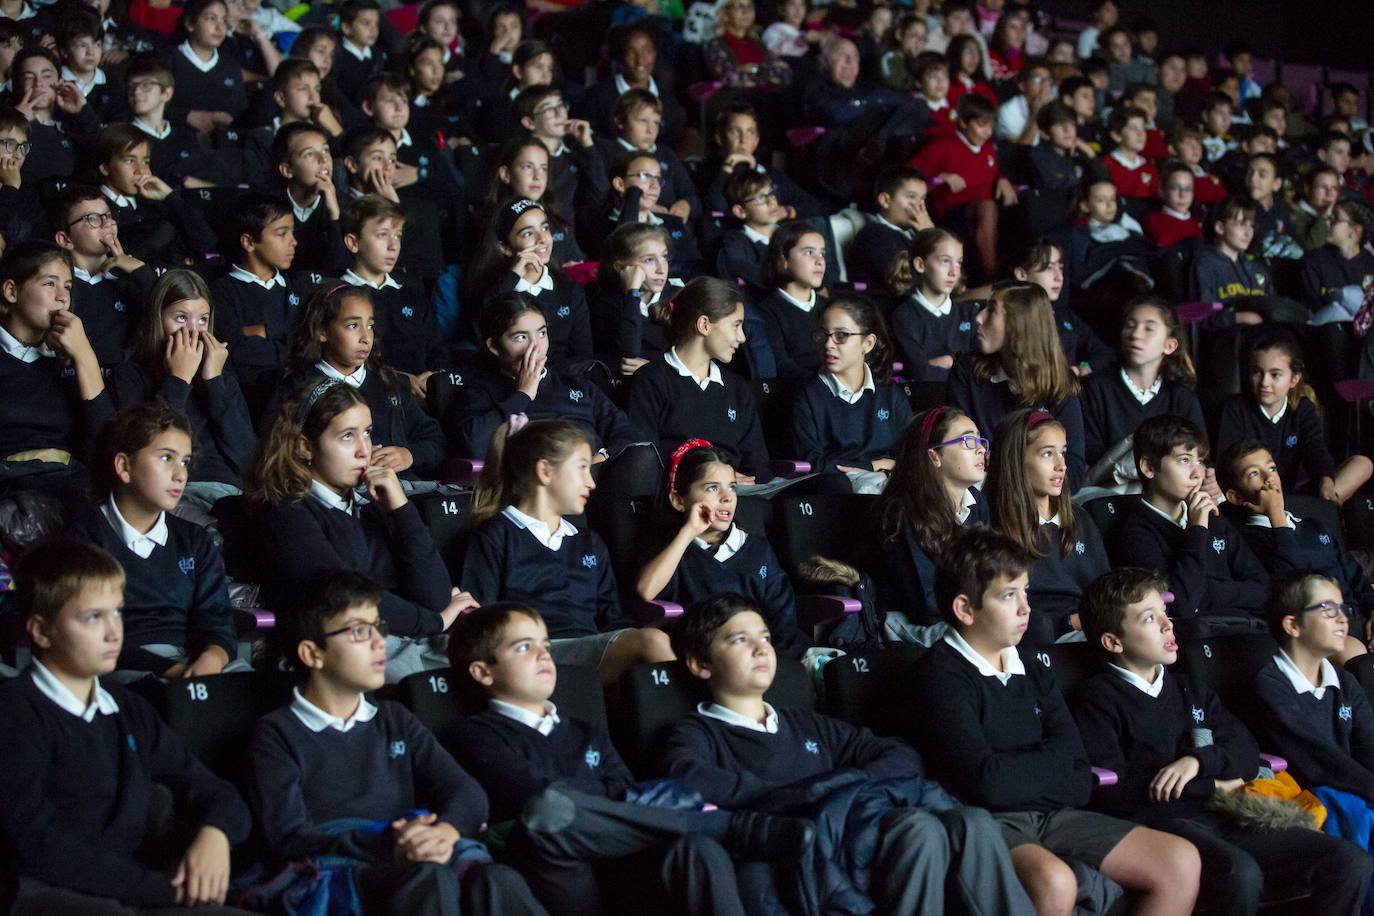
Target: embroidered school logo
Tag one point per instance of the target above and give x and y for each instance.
(812, 748)
(589, 560)
(763, 571)
(187, 565)
(1291, 441)
(731, 414)
(1344, 713)
(966, 326)
(293, 299)
(992, 162)
(407, 311)
(575, 395)
(1198, 714)
(1145, 178)
(883, 414)
(228, 81)
(133, 745)
(185, 154)
(1037, 709)
(564, 311)
(396, 749)
(69, 372)
(394, 401)
(118, 305)
(1066, 325)
(1080, 548)
(592, 757)
(1218, 545)
(676, 233)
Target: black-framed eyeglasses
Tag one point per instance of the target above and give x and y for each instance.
(361, 632)
(10, 147)
(840, 337)
(970, 442)
(561, 106)
(1330, 609)
(770, 197)
(94, 220)
(649, 177)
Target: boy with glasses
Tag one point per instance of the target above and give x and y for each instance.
(21, 212)
(577, 174)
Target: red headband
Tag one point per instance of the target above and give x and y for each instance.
(1037, 417)
(681, 450)
(928, 422)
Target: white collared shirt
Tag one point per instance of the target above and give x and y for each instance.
(1176, 214)
(544, 724)
(730, 717)
(405, 139)
(1180, 518)
(838, 389)
(326, 496)
(753, 235)
(355, 380)
(939, 311)
(1120, 156)
(644, 306)
(806, 305)
(550, 539)
(1299, 680)
(421, 100)
(969, 502)
(97, 79)
(965, 141)
(48, 685)
(1283, 409)
(359, 53)
(622, 87)
(162, 134)
(204, 66)
(119, 200)
(999, 376)
(386, 282)
(303, 213)
(246, 276)
(85, 276)
(545, 282)
(1262, 521)
(1052, 521)
(22, 351)
(1145, 395)
(734, 540)
(317, 720)
(1139, 683)
(630, 147)
(883, 221)
(1011, 661)
(712, 374)
(939, 104)
(141, 544)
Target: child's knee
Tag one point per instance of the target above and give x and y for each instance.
(653, 645)
(1051, 884)
(1175, 863)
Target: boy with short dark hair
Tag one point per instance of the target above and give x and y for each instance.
(1216, 117)
(1060, 160)
(296, 91)
(1135, 177)
(638, 117)
(1077, 93)
(1173, 221)
(1319, 187)
(176, 150)
(1273, 221)
(900, 193)
(577, 172)
(358, 56)
(1174, 747)
(333, 774)
(738, 751)
(21, 209)
(81, 45)
(999, 730)
(930, 74)
(744, 251)
(302, 158)
(1176, 529)
(1225, 272)
(1016, 118)
(82, 761)
(371, 160)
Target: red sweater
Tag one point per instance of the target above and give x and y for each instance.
(1156, 148)
(957, 89)
(1165, 229)
(1141, 181)
(942, 124)
(1208, 189)
(952, 154)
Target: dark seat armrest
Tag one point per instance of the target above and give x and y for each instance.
(814, 610)
(787, 467)
(649, 613)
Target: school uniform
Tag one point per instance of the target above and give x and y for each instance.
(1220, 279)
(565, 310)
(353, 66)
(742, 256)
(109, 305)
(1328, 277)
(878, 244)
(621, 326)
(1113, 408)
(924, 330)
(166, 231)
(175, 590)
(671, 405)
(77, 802)
(59, 147)
(21, 212)
(1294, 436)
(104, 91)
(598, 221)
(221, 426)
(1167, 228)
(319, 239)
(242, 301)
(1135, 727)
(1052, 170)
(437, 177)
(1274, 231)
(790, 323)
(987, 401)
(1304, 543)
(213, 85)
(598, 103)
(1080, 343)
(832, 425)
(176, 154)
(1136, 177)
(977, 165)
(577, 178)
(677, 181)
(1210, 569)
(906, 575)
(1059, 577)
(407, 329)
(790, 194)
(1208, 189)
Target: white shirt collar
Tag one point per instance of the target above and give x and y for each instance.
(22, 351)
(1307, 208)
(1176, 214)
(1051, 521)
(938, 105)
(544, 724)
(838, 389)
(884, 221)
(1120, 156)
(303, 213)
(1283, 409)
(155, 134)
(141, 544)
(806, 305)
(644, 306)
(359, 53)
(204, 66)
(965, 141)
(999, 376)
(969, 502)
(421, 100)
(386, 282)
(712, 375)
(1146, 395)
(85, 276)
(118, 199)
(405, 139)
(1299, 680)
(1179, 518)
(753, 235)
(327, 497)
(97, 79)
(630, 147)
(48, 685)
(550, 539)
(727, 548)
(622, 87)
(1139, 683)
(317, 720)
(939, 311)
(545, 282)
(1262, 521)
(730, 717)
(355, 380)
(246, 276)
(1011, 660)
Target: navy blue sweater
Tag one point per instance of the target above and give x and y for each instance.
(1057, 580)
(76, 800)
(622, 330)
(219, 89)
(163, 231)
(565, 311)
(906, 577)
(1325, 272)
(109, 308)
(1297, 443)
(874, 249)
(789, 334)
(1310, 546)
(828, 431)
(42, 408)
(241, 304)
(922, 336)
(1079, 341)
(407, 328)
(572, 587)
(1111, 412)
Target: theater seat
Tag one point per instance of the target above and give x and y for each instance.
(448, 518)
(440, 697)
(1228, 665)
(838, 526)
(869, 689)
(1072, 663)
(1108, 512)
(215, 716)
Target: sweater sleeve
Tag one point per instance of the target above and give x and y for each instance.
(807, 441)
(1311, 755)
(1233, 753)
(508, 776)
(196, 234)
(424, 579)
(580, 330)
(648, 403)
(1101, 726)
(484, 565)
(960, 393)
(1185, 568)
(857, 748)
(1310, 282)
(609, 615)
(449, 790)
(1316, 456)
(612, 426)
(475, 416)
(777, 339)
(753, 452)
(1095, 428)
(1249, 579)
(690, 756)
(1231, 426)
(779, 605)
(230, 419)
(210, 619)
(424, 436)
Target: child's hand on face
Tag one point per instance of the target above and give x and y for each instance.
(9, 171)
(532, 366)
(67, 336)
(216, 355)
(384, 487)
(1201, 508)
(406, 175)
(184, 352)
(69, 98)
(697, 519)
(632, 277)
(581, 131)
(1211, 487)
(153, 188)
(527, 266)
(1269, 500)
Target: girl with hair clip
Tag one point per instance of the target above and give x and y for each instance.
(178, 361)
(322, 504)
(686, 394)
(1282, 411)
(929, 326)
(632, 300)
(517, 255)
(791, 312)
(336, 340)
(1042, 262)
(966, 69)
(512, 381)
(848, 417)
(1031, 502)
(523, 548)
(938, 466)
(522, 170)
(711, 555)
(1019, 364)
(1155, 378)
(55, 400)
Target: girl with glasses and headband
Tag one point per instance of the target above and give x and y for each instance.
(938, 466)
(791, 311)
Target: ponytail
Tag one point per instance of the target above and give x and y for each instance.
(704, 296)
(509, 473)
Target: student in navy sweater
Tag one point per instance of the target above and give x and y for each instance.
(334, 774)
(796, 273)
(302, 161)
(631, 303)
(1042, 262)
(740, 752)
(177, 618)
(1282, 412)
(533, 760)
(1177, 531)
(938, 467)
(710, 554)
(849, 416)
(1032, 503)
(210, 89)
(1174, 746)
(1337, 276)
(62, 127)
(1156, 378)
(687, 394)
(900, 195)
(998, 730)
(57, 401)
(743, 251)
(1019, 363)
(358, 56)
(522, 548)
(1314, 714)
(929, 326)
(324, 500)
(178, 361)
(81, 763)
